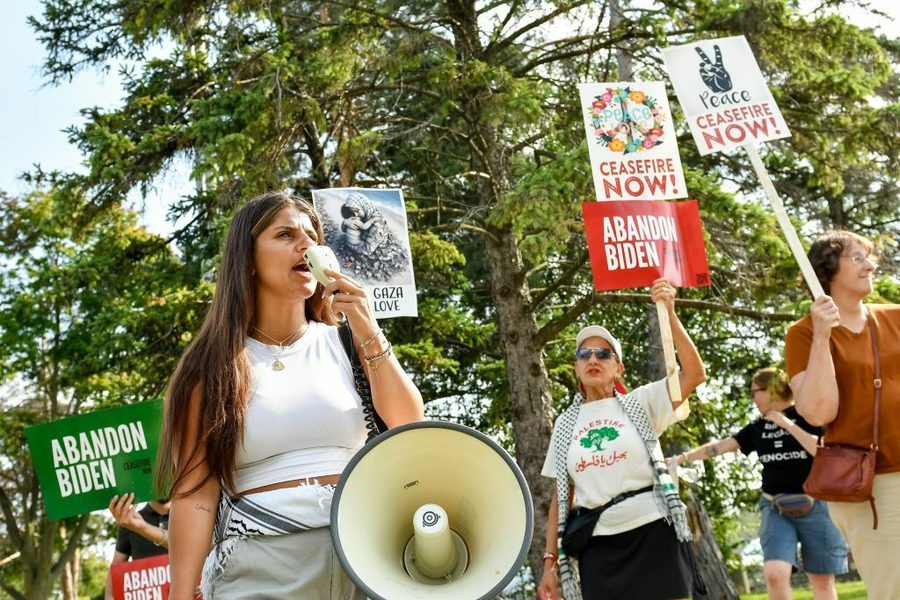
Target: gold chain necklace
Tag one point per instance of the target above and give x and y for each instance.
(277, 365)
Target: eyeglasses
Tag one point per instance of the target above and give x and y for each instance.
(599, 353)
(858, 258)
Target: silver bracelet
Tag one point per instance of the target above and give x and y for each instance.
(371, 339)
(163, 539)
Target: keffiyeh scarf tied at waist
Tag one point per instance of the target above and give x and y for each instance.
(275, 512)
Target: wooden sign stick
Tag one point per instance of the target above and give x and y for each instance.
(668, 347)
(784, 221)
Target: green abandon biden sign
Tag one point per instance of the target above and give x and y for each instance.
(83, 461)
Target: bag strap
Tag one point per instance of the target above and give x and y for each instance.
(374, 424)
(873, 333)
(599, 510)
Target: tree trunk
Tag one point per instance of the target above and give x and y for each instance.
(709, 558)
(529, 389)
(707, 553)
(43, 564)
(623, 57)
(526, 372)
(71, 576)
(37, 559)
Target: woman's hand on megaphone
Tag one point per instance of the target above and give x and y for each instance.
(351, 300)
(549, 584)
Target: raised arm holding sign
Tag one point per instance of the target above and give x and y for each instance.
(634, 157)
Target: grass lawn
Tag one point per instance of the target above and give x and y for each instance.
(848, 590)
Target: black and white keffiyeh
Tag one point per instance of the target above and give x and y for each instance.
(664, 490)
(570, 587)
(275, 512)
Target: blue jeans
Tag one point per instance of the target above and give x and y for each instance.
(822, 546)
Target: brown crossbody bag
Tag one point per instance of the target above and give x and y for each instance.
(845, 473)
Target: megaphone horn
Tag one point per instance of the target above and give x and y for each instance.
(432, 509)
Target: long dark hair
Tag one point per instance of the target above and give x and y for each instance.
(216, 360)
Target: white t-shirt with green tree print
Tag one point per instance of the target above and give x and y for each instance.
(608, 457)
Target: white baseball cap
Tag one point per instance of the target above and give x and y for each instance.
(600, 332)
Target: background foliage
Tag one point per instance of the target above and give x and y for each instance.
(471, 108)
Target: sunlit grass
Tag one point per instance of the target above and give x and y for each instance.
(847, 590)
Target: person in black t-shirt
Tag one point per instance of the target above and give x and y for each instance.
(142, 533)
(785, 444)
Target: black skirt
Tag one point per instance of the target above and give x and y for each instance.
(645, 563)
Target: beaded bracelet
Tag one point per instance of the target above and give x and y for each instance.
(375, 360)
(382, 354)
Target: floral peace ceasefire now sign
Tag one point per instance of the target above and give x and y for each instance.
(631, 141)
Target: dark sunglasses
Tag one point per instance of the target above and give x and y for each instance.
(599, 353)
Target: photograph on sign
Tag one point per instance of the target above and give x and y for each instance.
(367, 230)
(631, 244)
(631, 141)
(83, 461)
(141, 579)
(723, 94)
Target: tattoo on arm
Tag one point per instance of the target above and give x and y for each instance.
(203, 508)
(712, 450)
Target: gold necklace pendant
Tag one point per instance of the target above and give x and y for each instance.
(277, 365)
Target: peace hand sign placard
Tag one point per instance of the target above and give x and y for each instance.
(714, 74)
(725, 98)
(727, 103)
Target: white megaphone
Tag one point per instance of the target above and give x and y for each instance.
(432, 509)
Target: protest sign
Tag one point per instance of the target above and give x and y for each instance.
(727, 103)
(366, 229)
(723, 94)
(83, 461)
(142, 579)
(631, 141)
(631, 244)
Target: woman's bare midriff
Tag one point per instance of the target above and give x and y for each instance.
(320, 479)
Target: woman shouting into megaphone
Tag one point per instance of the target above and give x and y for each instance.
(263, 413)
(624, 523)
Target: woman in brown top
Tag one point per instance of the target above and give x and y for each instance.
(831, 364)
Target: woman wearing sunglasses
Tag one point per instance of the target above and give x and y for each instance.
(831, 361)
(785, 444)
(605, 453)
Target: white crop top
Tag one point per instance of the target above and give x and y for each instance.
(302, 421)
